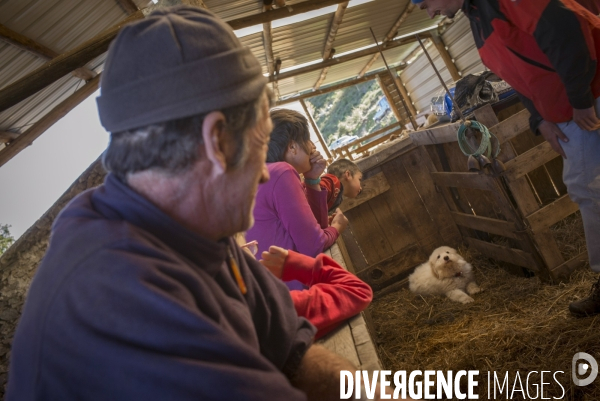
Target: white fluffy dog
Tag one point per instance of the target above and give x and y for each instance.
(446, 272)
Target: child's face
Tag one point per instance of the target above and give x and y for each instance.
(351, 184)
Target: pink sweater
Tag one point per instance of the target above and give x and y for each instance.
(284, 214)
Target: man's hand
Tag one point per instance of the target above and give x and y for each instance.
(552, 134)
(586, 119)
(339, 221)
(274, 260)
(318, 164)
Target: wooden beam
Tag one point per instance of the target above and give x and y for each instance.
(388, 96)
(61, 65)
(348, 57)
(512, 126)
(404, 94)
(510, 255)
(268, 43)
(170, 3)
(529, 161)
(505, 130)
(321, 78)
(128, 6)
(6, 137)
(329, 88)
(386, 154)
(563, 271)
(280, 13)
(464, 180)
(335, 24)
(38, 50)
(418, 50)
(328, 50)
(486, 224)
(27, 137)
(552, 213)
(441, 47)
(390, 35)
(373, 186)
(316, 129)
(376, 142)
(393, 269)
(357, 142)
(23, 42)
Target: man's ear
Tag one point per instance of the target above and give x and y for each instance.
(347, 175)
(213, 134)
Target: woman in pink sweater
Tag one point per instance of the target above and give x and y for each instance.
(288, 213)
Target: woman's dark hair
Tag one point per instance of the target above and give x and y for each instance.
(288, 126)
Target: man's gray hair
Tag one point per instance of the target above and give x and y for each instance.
(172, 147)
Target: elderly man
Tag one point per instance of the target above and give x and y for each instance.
(548, 51)
(142, 294)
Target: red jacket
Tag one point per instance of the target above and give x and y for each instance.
(334, 294)
(546, 50)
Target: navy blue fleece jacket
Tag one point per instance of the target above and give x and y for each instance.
(129, 305)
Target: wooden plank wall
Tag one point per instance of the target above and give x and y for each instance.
(530, 198)
(352, 339)
(397, 228)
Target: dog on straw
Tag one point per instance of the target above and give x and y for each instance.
(446, 272)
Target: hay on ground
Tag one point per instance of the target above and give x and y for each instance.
(515, 324)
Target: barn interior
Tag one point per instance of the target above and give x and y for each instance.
(516, 224)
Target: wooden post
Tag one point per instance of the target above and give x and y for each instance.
(404, 94)
(268, 43)
(525, 199)
(441, 47)
(389, 97)
(328, 51)
(317, 132)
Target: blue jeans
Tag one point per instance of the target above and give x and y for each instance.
(581, 175)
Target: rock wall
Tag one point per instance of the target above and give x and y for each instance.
(19, 263)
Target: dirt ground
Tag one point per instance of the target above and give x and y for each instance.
(516, 324)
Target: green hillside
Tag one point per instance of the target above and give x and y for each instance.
(349, 111)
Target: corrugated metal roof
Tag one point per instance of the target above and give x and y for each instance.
(421, 81)
(461, 46)
(62, 25)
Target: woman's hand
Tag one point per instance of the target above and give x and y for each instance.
(317, 163)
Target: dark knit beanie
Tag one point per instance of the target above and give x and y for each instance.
(178, 62)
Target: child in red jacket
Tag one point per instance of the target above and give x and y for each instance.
(343, 180)
(333, 294)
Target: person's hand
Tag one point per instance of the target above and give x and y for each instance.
(318, 164)
(274, 260)
(552, 134)
(586, 119)
(340, 222)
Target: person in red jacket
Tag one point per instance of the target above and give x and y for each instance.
(547, 50)
(333, 294)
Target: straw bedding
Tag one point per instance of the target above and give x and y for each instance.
(516, 324)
